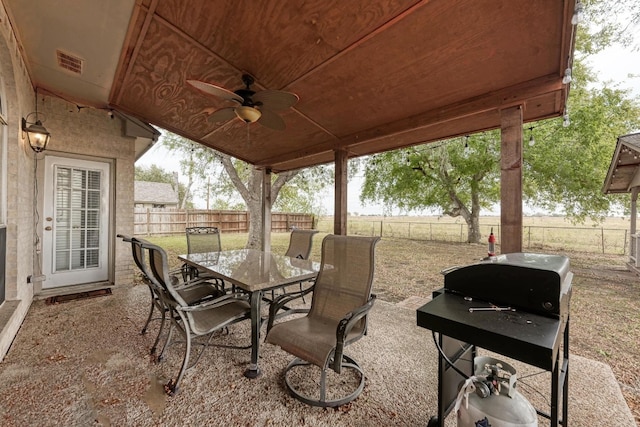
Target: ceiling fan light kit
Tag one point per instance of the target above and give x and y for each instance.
(248, 114)
(253, 106)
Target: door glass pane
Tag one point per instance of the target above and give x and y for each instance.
(93, 238)
(77, 260)
(93, 219)
(93, 201)
(62, 260)
(94, 180)
(78, 194)
(92, 258)
(62, 241)
(63, 179)
(63, 219)
(77, 199)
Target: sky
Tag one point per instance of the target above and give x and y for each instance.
(615, 64)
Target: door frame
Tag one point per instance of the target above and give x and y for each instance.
(41, 223)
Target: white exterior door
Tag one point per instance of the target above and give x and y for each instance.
(75, 222)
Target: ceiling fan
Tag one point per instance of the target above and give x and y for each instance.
(252, 106)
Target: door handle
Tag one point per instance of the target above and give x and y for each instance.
(48, 228)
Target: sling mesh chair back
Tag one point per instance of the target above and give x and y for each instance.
(300, 243)
(200, 319)
(201, 240)
(338, 316)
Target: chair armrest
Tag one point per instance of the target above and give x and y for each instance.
(225, 299)
(345, 326)
(193, 282)
(281, 302)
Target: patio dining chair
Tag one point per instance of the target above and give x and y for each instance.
(191, 291)
(340, 304)
(300, 243)
(200, 240)
(195, 320)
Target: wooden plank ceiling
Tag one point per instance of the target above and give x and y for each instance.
(371, 75)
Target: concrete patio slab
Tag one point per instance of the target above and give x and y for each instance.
(85, 363)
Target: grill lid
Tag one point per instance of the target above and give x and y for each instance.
(538, 283)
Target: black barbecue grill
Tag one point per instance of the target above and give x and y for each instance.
(514, 304)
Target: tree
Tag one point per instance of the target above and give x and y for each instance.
(155, 173)
(229, 178)
(608, 22)
(458, 177)
(564, 169)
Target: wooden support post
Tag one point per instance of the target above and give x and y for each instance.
(511, 180)
(633, 222)
(266, 210)
(341, 181)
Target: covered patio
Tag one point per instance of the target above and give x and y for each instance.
(370, 76)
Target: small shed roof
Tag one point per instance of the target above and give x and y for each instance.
(623, 172)
(155, 192)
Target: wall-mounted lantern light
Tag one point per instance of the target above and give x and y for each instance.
(37, 135)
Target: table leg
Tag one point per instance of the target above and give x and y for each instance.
(254, 371)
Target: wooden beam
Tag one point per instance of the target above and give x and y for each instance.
(493, 101)
(266, 210)
(632, 228)
(511, 180)
(341, 181)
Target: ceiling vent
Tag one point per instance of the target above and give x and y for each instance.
(69, 62)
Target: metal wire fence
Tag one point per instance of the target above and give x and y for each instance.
(582, 239)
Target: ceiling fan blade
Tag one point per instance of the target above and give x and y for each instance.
(271, 120)
(276, 100)
(222, 115)
(211, 89)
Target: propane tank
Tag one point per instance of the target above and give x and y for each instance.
(502, 406)
(492, 244)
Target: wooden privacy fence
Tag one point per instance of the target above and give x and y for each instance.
(148, 222)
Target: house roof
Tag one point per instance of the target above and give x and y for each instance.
(155, 192)
(371, 75)
(624, 171)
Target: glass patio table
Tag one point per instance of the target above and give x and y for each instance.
(255, 272)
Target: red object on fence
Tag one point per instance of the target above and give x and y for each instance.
(492, 244)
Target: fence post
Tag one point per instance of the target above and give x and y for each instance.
(624, 248)
(602, 234)
(381, 222)
(148, 222)
(409, 230)
(460, 234)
